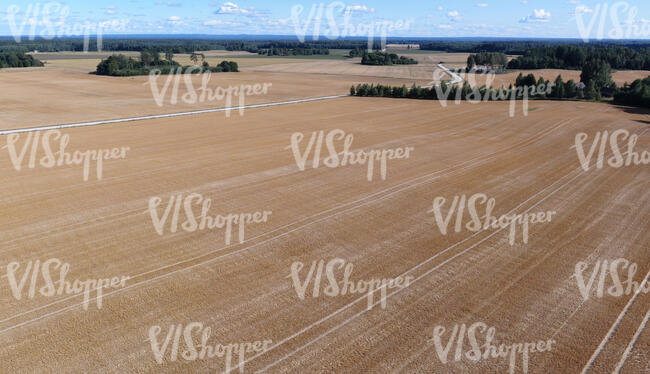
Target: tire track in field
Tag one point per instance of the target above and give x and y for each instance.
(353, 205)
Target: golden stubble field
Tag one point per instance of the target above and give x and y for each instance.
(57, 96)
(243, 291)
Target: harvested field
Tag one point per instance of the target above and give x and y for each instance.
(425, 70)
(89, 97)
(242, 291)
(88, 62)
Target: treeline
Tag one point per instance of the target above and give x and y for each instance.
(132, 45)
(496, 60)
(190, 44)
(293, 51)
(528, 86)
(449, 92)
(17, 60)
(525, 86)
(507, 47)
(519, 47)
(381, 58)
(122, 66)
(636, 94)
(574, 57)
(256, 46)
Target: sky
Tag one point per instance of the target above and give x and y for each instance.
(586, 19)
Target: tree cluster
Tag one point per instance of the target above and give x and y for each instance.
(382, 58)
(495, 60)
(120, 65)
(17, 60)
(357, 52)
(636, 94)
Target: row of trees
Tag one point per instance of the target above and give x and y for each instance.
(17, 60)
(575, 57)
(382, 58)
(120, 65)
(451, 92)
(558, 90)
(494, 60)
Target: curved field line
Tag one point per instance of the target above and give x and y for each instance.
(612, 329)
(420, 277)
(632, 343)
(403, 274)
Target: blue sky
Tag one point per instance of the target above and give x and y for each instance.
(434, 18)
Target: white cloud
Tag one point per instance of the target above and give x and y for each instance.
(454, 16)
(482, 5)
(359, 8)
(539, 15)
(445, 27)
(440, 8)
(583, 9)
(232, 8)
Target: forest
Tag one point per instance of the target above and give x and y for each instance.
(574, 57)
